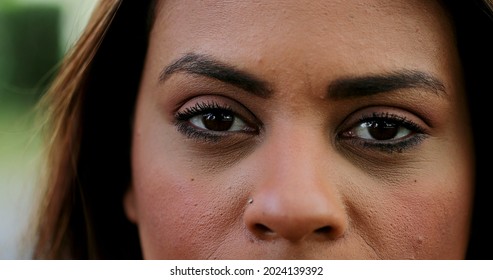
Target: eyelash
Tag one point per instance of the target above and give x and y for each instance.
(417, 133)
(416, 136)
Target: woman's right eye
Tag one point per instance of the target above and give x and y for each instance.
(219, 120)
(211, 121)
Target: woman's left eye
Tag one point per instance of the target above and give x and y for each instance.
(386, 132)
(218, 120)
(380, 130)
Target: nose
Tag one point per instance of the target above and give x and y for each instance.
(296, 196)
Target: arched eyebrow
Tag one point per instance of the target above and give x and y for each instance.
(203, 65)
(359, 86)
(342, 88)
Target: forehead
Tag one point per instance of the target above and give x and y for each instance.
(380, 33)
(321, 16)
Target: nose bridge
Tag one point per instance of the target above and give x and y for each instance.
(296, 171)
(295, 196)
(296, 153)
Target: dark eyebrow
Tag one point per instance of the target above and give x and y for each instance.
(198, 64)
(370, 85)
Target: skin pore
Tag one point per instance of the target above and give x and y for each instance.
(301, 130)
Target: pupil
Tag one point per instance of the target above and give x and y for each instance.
(383, 130)
(218, 121)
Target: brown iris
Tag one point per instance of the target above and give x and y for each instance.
(382, 130)
(218, 120)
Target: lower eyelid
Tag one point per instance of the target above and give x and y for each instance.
(197, 134)
(390, 146)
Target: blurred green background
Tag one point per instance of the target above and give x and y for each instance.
(34, 35)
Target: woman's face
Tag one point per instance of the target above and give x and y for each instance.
(301, 130)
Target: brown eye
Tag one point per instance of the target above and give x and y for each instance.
(381, 130)
(376, 129)
(218, 120)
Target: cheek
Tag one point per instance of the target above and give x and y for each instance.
(422, 219)
(182, 214)
(436, 222)
(428, 224)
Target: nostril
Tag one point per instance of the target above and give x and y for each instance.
(262, 229)
(323, 230)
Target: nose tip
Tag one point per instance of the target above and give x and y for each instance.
(307, 218)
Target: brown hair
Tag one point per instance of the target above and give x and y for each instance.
(90, 108)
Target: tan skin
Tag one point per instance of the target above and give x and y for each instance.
(287, 153)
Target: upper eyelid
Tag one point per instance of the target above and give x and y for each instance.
(385, 111)
(395, 118)
(200, 107)
(386, 116)
(221, 102)
(404, 120)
